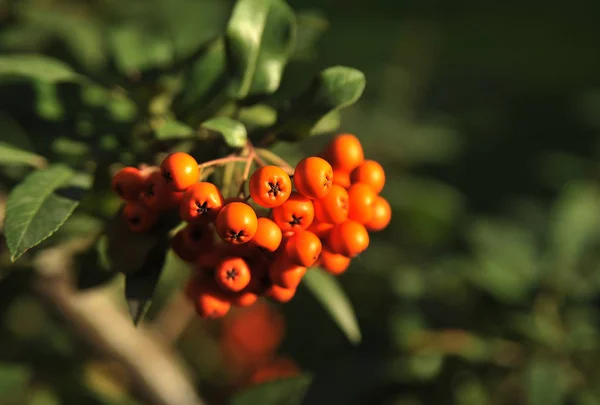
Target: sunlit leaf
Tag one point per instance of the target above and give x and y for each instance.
(233, 132)
(37, 67)
(173, 129)
(327, 290)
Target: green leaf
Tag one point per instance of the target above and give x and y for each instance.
(136, 49)
(260, 39)
(233, 132)
(37, 67)
(173, 129)
(289, 391)
(15, 146)
(13, 380)
(545, 383)
(329, 293)
(328, 124)
(258, 116)
(38, 207)
(333, 89)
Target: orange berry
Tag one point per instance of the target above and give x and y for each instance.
(349, 238)
(313, 177)
(157, 195)
(138, 217)
(333, 263)
(207, 260)
(280, 294)
(201, 203)
(270, 186)
(268, 235)
(232, 274)
(345, 152)
(333, 208)
(236, 223)
(341, 178)
(295, 214)
(382, 215)
(321, 229)
(180, 170)
(182, 249)
(361, 197)
(128, 183)
(198, 237)
(211, 302)
(303, 248)
(286, 273)
(369, 172)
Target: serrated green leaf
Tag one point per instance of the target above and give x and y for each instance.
(37, 67)
(233, 132)
(38, 207)
(289, 391)
(173, 129)
(15, 146)
(333, 89)
(13, 380)
(327, 290)
(260, 39)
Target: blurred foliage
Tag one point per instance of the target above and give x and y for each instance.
(484, 289)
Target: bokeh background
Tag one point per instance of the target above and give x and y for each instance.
(485, 287)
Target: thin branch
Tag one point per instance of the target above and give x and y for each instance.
(270, 156)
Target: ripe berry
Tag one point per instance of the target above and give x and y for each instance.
(139, 218)
(280, 294)
(211, 302)
(128, 183)
(270, 186)
(361, 197)
(157, 195)
(232, 274)
(333, 208)
(198, 238)
(369, 172)
(345, 152)
(321, 229)
(236, 223)
(382, 215)
(349, 239)
(180, 170)
(341, 178)
(268, 235)
(279, 368)
(182, 249)
(285, 273)
(313, 177)
(333, 263)
(295, 214)
(201, 203)
(303, 248)
(207, 261)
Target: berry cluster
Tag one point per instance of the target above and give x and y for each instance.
(319, 215)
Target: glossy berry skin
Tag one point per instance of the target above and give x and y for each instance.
(313, 177)
(180, 171)
(333, 263)
(138, 217)
(201, 203)
(236, 223)
(349, 239)
(280, 294)
(345, 152)
(297, 213)
(361, 197)
(182, 250)
(303, 248)
(128, 183)
(211, 302)
(270, 186)
(268, 235)
(369, 172)
(285, 273)
(232, 274)
(382, 215)
(157, 195)
(199, 238)
(334, 207)
(341, 178)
